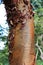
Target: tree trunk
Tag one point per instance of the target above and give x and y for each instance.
(21, 32)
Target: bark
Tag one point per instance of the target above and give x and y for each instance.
(21, 32)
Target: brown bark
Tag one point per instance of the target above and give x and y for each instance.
(21, 36)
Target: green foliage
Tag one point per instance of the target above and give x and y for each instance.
(4, 56)
(37, 4)
(38, 22)
(39, 62)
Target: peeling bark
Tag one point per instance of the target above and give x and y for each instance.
(21, 32)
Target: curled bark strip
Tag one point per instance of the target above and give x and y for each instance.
(25, 2)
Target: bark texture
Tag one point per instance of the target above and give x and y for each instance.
(21, 32)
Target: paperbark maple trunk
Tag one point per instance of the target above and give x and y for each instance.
(21, 32)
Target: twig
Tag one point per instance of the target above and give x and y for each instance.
(41, 56)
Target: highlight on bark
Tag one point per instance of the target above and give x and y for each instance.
(21, 32)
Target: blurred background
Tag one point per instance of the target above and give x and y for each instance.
(38, 25)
